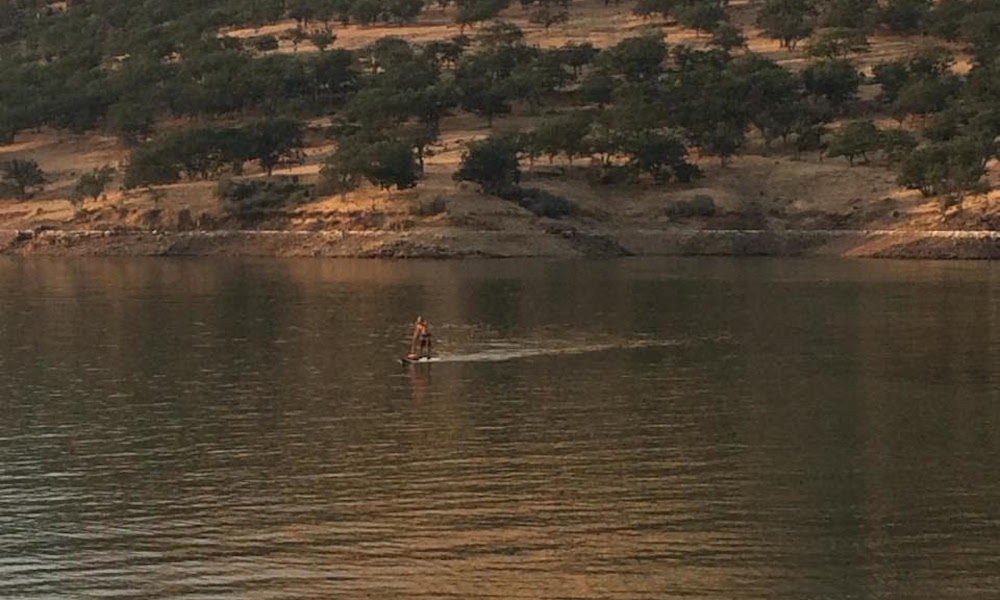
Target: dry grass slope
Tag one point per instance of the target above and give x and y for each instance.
(763, 188)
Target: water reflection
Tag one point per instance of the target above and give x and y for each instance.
(735, 428)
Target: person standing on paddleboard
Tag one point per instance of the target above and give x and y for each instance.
(420, 345)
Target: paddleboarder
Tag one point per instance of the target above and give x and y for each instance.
(420, 345)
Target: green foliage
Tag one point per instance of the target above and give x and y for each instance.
(578, 56)
(565, 134)
(727, 37)
(698, 206)
(263, 43)
(446, 52)
(538, 79)
(8, 128)
(365, 12)
(924, 169)
(476, 11)
(836, 80)
(344, 169)
(723, 140)
(384, 161)
(549, 12)
(703, 86)
(597, 88)
(484, 97)
(787, 21)
(131, 121)
(920, 84)
(403, 11)
(924, 95)
(905, 16)
(500, 36)
(770, 95)
(227, 81)
(489, 79)
(301, 10)
(542, 203)
(150, 165)
(258, 12)
(435, 206)
(848, 14)
(646, 8)
(891, 76)
(92, 184)
(857, 138)
(249, 196)
(492, 163)
(952, 167)
(637, 58)
(21, 176)
(837, 42)
(934, 61)
(945, 18)
(701, 15)
(657, 154)
(635, 108)
(968, 117)
(981, 31)
(204, 151)
(125, 66)
(897, 144)
(809, 135)
(391, 163)
(322, 39)
(272, 140)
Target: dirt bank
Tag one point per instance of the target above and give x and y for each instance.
(553, 242)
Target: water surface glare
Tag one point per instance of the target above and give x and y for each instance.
(626, 429)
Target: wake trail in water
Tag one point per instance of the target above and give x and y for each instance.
(513, 353)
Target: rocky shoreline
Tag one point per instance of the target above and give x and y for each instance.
(555, 241)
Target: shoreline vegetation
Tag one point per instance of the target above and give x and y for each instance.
(495, 128)
(553, 243)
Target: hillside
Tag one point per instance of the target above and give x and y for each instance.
(695, 115)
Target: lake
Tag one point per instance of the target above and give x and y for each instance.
(614, 429)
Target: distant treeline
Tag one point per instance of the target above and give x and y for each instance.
(635, 109)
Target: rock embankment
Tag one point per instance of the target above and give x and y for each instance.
(463, 243)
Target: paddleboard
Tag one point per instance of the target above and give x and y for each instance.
(414, 361)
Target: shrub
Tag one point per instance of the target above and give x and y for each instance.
(21, 176)
(727, 37)
(897, 144)
(253, 195)
(837, 42)
(322, 39)
(698, 206)
(611, 174)
(91, 185)
(434, 206)
(543, 203)
(264, 43)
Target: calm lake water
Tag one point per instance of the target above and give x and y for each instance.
(622, 429)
